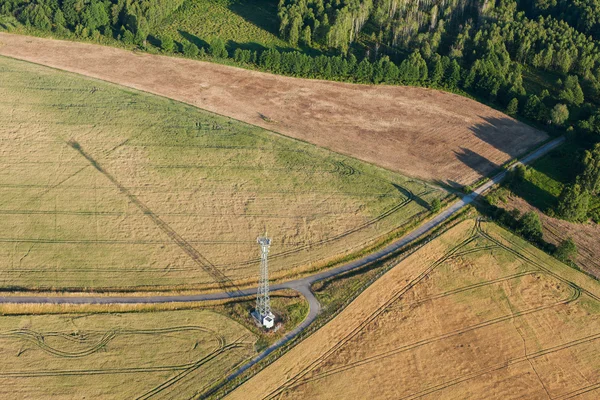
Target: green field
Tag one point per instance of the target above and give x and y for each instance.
(166, 355)
(548, 176)
(240, 23)
(104, 187)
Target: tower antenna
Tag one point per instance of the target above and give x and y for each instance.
(263, 301)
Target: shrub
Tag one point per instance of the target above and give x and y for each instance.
(559, 114)
(522, 172)
(573, 203)
(190, 49)
(167, 44)
(530, 226)
(513, 107)
(566, 251)
(217, 48)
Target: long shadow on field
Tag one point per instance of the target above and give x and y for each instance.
(449, 185)
(534, 194)
(500, 133)
(194, 39)
(476, 162)
(252, 46)
(219, 277)
(414, 197)
(262, 13)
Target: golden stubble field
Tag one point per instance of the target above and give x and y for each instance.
(141, 355)
(476, 313)
(419, 132)
(106, 187)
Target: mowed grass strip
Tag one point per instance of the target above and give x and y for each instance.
(171, 354)
(477, 312)
(104, 187)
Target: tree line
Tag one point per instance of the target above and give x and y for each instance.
(127, 20)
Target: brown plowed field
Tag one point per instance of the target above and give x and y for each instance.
(475, 314)
(420, 132)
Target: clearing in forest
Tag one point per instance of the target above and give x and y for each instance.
(104, 187)
(419, 132)
(141, 355)
(249, 24)
(476, 313)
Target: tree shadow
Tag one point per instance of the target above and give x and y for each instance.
(252, 46)
(262, 13)
(449, 185)
(194, 39)
(533, 194)
(562, 164)
(498, 132)
(287, 49)
(417, 199)
(475, 161)
(153, 40)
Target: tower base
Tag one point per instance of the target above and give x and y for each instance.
(264, 320)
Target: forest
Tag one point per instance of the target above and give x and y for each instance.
(538, 60)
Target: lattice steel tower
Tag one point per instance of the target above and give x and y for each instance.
(263, 301)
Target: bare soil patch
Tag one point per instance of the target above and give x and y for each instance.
(476, 313)
(421, 132)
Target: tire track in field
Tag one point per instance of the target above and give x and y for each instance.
(339, 236)
(176, 378)
(478, 232)
(39, 338)
(532, 261)
(574, 296)
(357, 330)
(463, 289)
(220, 348)
(215, 270)
(506, 364)
(578, 392)
(218, 276)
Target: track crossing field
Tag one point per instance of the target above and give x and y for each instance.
(105, 187)
(475, 313)
(140, 355)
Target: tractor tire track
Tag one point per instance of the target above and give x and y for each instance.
(218, 276)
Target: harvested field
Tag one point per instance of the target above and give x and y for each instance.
(476, 313)
(585, 236)
(110, 188)
(167, 355)
(419, 132)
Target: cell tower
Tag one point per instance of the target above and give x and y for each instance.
(263, 302)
